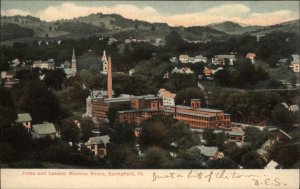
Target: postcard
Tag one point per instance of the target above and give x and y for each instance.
(149, 94)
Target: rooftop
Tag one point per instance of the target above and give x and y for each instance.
(44, 128)
(208, 151)
(195, 114)
(98, 140)
(23, 118)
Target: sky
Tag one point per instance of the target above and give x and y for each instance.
(175, 13)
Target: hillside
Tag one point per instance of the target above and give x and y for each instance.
(238, 29)
(227, 27)
(101, 24)
(290, 26)
(30, 28)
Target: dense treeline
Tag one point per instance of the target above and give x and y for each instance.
(255, 107)
(12, 31)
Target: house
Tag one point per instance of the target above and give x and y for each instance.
(166, 75)
(25, 119)
(130, 40)
(98, 145)
(167, 96)
(184, 58)
(223, 59)
(251, 57)
(9, 79)
(131, 72)
(294, 108)
(272, 165)
(200, 58)
(210, 152)
(184, 70)
(7, 74)
(44, 130)
(49, 65)
(173, 59)
(111, 40)
(15, 63)
(207, 71)
(295, 64)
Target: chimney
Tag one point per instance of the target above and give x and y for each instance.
(195, 103)
(109, 79)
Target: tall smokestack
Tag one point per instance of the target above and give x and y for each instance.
(109, 79)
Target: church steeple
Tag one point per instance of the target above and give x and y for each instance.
(74, 62)
(105, 63)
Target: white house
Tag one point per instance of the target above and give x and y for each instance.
(295, 64)
(24, 119)
(167, 96)
(98, 145)
(49, 65)
(251, 57)
(221, 59)
(44, 130)
(184, 58)
(184, 70)
(200, 58)
(173, 59)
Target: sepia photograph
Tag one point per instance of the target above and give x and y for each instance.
(149, 94)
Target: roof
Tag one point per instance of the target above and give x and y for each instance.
(272, 165)
(195, 114)
(139, 110)
(98, 140)
(229, 56)
(168, 94)
(184, 56)
(208, 151)
(251, 55)
(23, 118)
(44, 128)
(200, 57)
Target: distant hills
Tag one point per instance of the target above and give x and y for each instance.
(28, 28)
(232, 28)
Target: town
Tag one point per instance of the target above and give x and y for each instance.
(145, 99)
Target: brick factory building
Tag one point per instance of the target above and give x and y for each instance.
(136, 109)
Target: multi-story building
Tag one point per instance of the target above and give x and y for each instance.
(49, 65)
(197, 117)
(136, 109)
(167, 96)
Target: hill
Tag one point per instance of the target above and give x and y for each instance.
(232, 28)
(102, 25)
(227, 27)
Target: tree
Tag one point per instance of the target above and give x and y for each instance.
(166, 133)
(222, 163)
(287, 154)
(256, 136)
(86, 126)
(54, 78)
(122, 156)
(157, 158)
(181, 81)
(224, 78)
(8, 112)
(173, 39)
(123, 134)
(185, 95)
(281, 117)
(41, 103)
(252, 160)
(70, 132)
